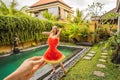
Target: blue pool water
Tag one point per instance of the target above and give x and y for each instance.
(11, 63)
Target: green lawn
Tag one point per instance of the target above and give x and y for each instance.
(83, 69)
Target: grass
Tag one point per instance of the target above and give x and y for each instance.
(83, 69)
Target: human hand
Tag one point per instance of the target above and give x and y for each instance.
(27, 69)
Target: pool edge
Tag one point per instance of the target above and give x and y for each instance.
(68, 64)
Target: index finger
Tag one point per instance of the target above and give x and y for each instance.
(39, 61)
(35, 58)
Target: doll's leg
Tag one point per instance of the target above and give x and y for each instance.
(62, 67)
(53, 65)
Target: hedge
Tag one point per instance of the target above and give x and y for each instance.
(27, 28)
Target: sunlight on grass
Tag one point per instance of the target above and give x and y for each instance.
(83, 69)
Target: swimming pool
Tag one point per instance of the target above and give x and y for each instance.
(10, 63)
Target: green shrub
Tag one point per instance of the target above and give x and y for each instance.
(27, 28)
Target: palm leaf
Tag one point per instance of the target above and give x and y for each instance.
(3, 8)
(12, 9)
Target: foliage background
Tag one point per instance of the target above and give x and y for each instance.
(28, 29)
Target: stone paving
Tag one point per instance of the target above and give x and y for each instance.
(102, 59)
(90, 55)
(93, 52)
(87, 58)
(101, 65)
(99, 73)
(104, 53)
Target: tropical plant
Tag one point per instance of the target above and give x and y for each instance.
(95, 10)
(77, 31)
(65, 35)
(114, 40)
(74, 30)
(102, 33)
(27, 28)
(69, 18)
(78, 17)
(84, 32)
(110, 19)
(11, 10)
(49, 16)
(114, 43)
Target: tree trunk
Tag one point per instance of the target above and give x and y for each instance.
(96, 33)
